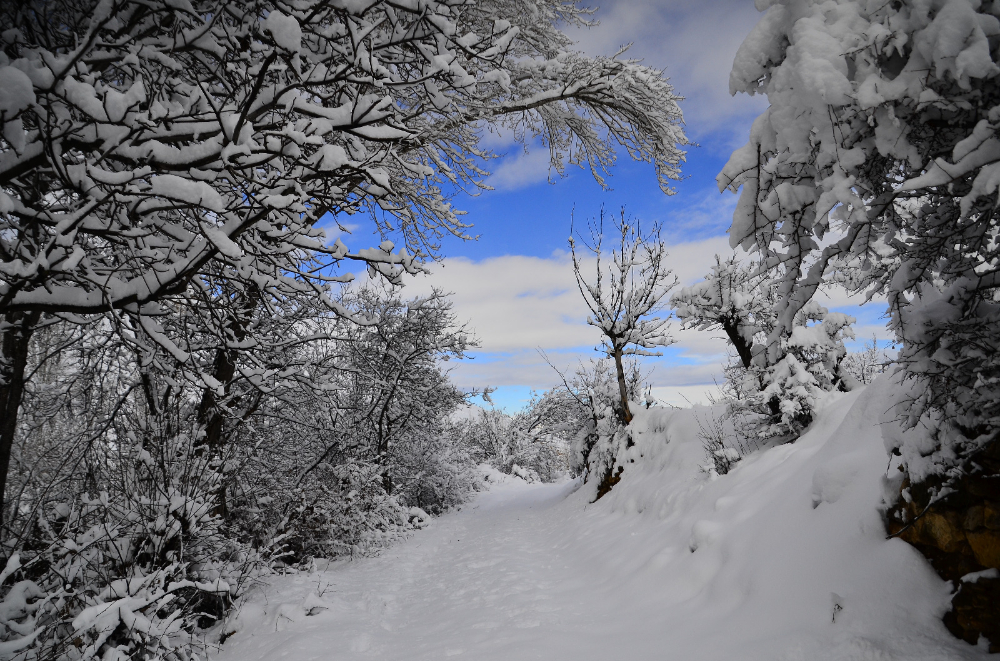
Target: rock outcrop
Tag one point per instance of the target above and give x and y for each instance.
(960, 536)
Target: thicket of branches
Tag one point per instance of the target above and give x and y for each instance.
(189, 389)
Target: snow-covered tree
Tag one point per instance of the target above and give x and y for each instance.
(520, 443)
(333, 454)
(396, 389)
(626, 293)
(731, 297)
(151, 146)
(864, 366)
(879, 153)
(784, 383)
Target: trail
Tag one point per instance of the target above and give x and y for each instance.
(783, 559)
(500, 579)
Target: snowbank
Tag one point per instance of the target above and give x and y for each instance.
(785, 557)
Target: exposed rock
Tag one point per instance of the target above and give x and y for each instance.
(960, 536)
(991, 517)
(608, 481)
(986, 547)
(942, 529)
(974, 518)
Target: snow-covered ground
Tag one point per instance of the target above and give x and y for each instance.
(783, 558)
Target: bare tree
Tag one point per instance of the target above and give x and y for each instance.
(626, 294)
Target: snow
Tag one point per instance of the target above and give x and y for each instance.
(785, 557)
(17, 92)
(177, 188)
(285, 30)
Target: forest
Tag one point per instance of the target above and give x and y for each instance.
(210, 383)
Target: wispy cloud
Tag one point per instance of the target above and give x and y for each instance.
(706, 215)
(695, 41)
(518, 304)
(520, 168)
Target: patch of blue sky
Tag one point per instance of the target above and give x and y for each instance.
(510, 399)
(869, 314)
(532, 217)
(677, 355)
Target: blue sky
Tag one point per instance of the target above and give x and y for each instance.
(515, 287)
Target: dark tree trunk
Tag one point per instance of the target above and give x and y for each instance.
(209, 415)
(743, 348)
(626, 412)
(210, 410)
(18, 328)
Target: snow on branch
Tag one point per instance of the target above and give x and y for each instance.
(144, 142)
(626, 293)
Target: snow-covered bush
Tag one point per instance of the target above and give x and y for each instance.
(515, 444)
(434, 471)
(134, 571)
(727, 436)
(782, 382)
(347, 514)
(809, 367)
(186, 490)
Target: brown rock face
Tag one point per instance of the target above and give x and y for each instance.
(608, 481)
(991, 518)
(960, 535)
(986, 547)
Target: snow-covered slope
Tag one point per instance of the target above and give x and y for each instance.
(783, 558)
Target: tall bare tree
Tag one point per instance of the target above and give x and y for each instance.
(626, 293)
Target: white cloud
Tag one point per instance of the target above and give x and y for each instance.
(695, 41)
(516, 304)
(520, 168)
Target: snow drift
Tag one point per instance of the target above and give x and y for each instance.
(784, 557)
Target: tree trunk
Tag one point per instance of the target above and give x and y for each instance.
(743, 348)
(18, 328)
(209, 414)
(224, 370)
(625, 413)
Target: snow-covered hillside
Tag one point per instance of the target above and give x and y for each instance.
(785, 557)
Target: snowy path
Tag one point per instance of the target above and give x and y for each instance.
(785, 558)
(495, 581)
